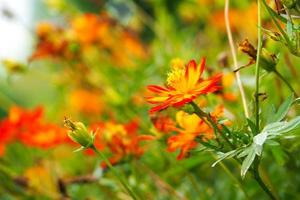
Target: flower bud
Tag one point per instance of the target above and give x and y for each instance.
(268, 61)
(79, 133)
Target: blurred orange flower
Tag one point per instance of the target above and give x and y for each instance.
(51, 42)
(163, 123)
(86, 101)
(238, 24)
(184, 84)
(190, 127)
(30, 128)
(121, 139)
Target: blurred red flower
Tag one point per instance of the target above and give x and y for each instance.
(121, 139)
(29, 127)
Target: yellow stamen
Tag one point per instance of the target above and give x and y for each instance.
(176, 73)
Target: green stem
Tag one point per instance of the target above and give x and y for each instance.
(202, 114)
(257, 68)
(286, 82)
(259, 46)
(116, 174)
(259, 180)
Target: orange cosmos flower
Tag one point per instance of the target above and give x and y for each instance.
(184, 84)
(121, 139)
(51, 42)
(163, 123)
(191, 126)
(6, 135)
(30, 128)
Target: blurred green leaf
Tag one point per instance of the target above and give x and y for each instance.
(282, 110)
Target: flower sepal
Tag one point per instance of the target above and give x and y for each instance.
(79, 134)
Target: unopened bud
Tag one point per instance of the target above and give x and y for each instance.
(79, 133)
(268, 60)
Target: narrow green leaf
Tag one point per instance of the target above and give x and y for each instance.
(252, 126)
(289, 29)
(297, 101)
(223, 156)
(247, 162)
(283, 109)
(278, 128)
(245, 152)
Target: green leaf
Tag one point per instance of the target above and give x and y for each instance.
(247, 162)
(223, 156)
(282, 110)
(258, 142)
(289, 29)
(252, 126)
(279, 128)
(297, 101)
(245, 152)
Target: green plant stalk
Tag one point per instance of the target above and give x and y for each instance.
(259, 180)
(255, 171)
(257, 68)
(200, 113)
(120, 178)
(286, 82)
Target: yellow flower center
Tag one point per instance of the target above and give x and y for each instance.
(176, 73)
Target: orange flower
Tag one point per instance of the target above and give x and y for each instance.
(121, 139)
(163, 123)
(191, 126)
(6, 135)
(51, 42)
(86, 101)
(237, 22)
(184, 84)
(30, 128)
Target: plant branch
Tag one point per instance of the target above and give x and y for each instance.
(259, 46)
(116, 174)
(259, 180)
(286, 82)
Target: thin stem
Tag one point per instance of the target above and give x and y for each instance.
(259, 180)
(259, 46)
(286, 82)
(200, 113)
(233, 52)
(116, 174)
(257, 68)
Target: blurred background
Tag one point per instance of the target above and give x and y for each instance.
(91, 60)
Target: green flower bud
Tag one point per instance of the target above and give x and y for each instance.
(268, 60)
(79, 133)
